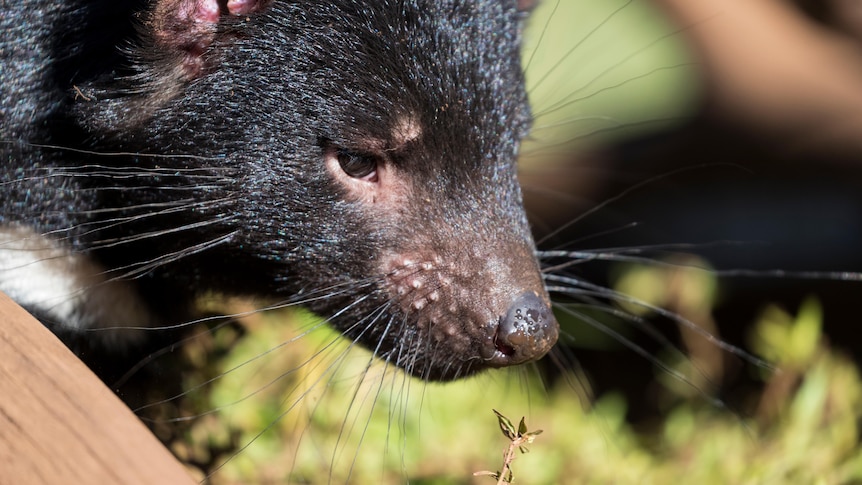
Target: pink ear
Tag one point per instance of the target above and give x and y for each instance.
(527, 5)
(242, 7)
(186, 28)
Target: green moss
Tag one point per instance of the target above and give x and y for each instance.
(386, 428)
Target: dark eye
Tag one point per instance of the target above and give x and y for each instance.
(358, 165)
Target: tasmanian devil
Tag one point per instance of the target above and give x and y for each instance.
(355, 157)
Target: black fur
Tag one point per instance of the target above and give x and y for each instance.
(180, 182)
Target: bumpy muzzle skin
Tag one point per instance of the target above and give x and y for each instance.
(465, 303)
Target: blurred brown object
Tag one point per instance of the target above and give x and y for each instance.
(779, 73)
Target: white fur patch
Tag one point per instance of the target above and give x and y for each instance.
(68, 289)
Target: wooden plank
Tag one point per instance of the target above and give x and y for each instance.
(59, 424)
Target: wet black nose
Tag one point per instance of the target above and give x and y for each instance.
(527, 331)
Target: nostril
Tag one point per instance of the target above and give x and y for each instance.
(504, 349)
(527, 331)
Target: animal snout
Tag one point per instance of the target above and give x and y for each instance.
(526, 332)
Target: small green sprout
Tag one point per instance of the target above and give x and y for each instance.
(517, 439)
